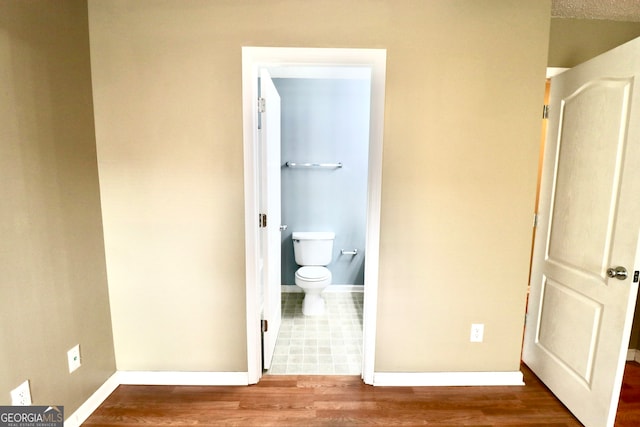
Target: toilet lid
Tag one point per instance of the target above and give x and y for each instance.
(313, 273)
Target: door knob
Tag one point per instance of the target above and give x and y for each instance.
(619, 273)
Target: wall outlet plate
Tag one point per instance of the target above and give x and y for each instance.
(21, 395)
(477, 332)
(73, 357)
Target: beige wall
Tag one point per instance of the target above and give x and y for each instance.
(465, 81)
(53, 291)
(634, 342)
(574, 41)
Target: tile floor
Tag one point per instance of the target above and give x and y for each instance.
(326, 344)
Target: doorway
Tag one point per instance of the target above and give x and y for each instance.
(254, 59)
(324, 151)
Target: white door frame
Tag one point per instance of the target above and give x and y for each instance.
(252, 59)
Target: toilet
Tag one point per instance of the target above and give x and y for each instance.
(313, 251)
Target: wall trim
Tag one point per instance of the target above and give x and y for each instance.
(252, 59)
(411, 379)
(293, 289)
(151, 378)
(182, 378)
(554, 71)
(93, 402)
(447, 379)
(633, 355)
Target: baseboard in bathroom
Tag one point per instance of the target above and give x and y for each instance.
(291, 289)
(345, 288)
(633, 355)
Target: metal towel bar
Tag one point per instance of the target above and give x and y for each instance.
(314, 165)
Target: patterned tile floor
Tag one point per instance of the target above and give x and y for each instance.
(326, 344)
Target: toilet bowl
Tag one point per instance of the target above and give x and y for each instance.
(313, 251)
(313, 280)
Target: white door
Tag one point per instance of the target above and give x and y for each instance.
(269, 159)
(579, 318)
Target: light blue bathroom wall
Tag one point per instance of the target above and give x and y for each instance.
(325, 121)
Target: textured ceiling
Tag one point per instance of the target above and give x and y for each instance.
(616, 10)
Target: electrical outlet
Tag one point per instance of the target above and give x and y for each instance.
(477, 332)
(73, 356)
(21, 395)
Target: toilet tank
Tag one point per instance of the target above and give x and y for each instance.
(313, 248)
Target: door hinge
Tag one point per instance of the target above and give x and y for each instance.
(262, 220)
(535, 220)
(264, 325)
(545, 111)
(261, 105)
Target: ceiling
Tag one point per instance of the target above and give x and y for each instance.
(615, 10)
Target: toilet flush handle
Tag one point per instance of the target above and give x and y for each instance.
(283, 227)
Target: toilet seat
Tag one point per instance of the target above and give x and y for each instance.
(313, 273)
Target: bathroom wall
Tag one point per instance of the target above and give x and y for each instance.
(325, 121)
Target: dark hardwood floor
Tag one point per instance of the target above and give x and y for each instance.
(629, 405)
(345, 401)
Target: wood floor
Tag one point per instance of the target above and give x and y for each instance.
(629, 405)
(345, 401)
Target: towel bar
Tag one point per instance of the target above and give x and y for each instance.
(314, 165)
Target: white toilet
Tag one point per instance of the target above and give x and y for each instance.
(313, 250)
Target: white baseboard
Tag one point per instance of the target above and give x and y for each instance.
(151, 378)
(446, 379)
(413, 379)
(292, 289)
(82, 413)
(182, 378)
(633, 355)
